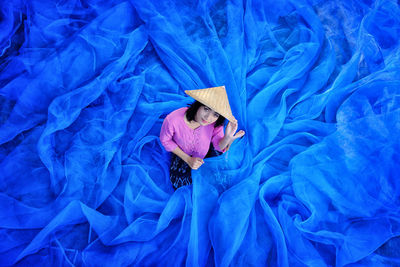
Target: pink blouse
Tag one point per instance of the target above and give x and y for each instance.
(194, 142)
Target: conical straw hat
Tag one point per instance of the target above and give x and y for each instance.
(214, 98)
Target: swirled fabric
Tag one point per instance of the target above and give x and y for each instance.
(86, 84)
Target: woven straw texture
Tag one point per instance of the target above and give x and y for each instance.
(216, 99)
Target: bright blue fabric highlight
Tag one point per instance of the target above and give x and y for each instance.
(85, 86)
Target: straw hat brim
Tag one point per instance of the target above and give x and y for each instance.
(214, 98)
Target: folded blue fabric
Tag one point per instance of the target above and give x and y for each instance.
(85, 86)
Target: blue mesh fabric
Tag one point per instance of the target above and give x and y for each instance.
(86, 84)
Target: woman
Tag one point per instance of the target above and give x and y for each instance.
(194, 133)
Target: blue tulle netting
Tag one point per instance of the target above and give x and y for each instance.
(86, 84)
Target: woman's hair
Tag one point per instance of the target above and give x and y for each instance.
(192, 110)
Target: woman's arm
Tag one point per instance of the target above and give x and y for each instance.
(230, 135)
(193, 162)
(225, 142)
(166, 134)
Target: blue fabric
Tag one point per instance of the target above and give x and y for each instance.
(85, 86)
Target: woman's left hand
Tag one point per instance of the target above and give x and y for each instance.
(231, 133)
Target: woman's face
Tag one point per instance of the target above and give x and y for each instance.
(206, 116)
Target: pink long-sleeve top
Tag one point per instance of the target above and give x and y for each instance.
(194, 142)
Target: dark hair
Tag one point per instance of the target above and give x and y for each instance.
(192, 110)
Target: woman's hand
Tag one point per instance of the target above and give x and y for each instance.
(231, 133)
(194, 162)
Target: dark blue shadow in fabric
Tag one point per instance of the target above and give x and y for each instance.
(85, 86)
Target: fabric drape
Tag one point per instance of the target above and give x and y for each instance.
(85, 86)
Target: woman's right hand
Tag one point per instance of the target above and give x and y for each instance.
(194, 162)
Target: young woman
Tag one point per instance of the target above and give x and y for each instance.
(194, 133)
